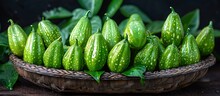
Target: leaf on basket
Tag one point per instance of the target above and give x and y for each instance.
(95, 74)
(8, 75)
(136, 71)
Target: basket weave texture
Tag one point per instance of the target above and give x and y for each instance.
(77, 81)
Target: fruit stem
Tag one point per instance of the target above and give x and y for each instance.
(98, 30)
(172, 9)
(32, 28)
(107, 17)
(210, 23)
(42, 18)
(173, 43)
(11, 21)
(59, 39)
(187, 31)
(87, 13)
(126, 37)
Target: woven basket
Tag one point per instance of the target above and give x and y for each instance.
(79, 82)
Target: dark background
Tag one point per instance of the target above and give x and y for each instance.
(25, 12)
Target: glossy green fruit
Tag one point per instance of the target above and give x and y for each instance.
(34, 49)
(147, 56)
(136, 32)
(48, 31)
(206, 40)
(53, 55)
(172, 30)
(96, 52)
(119, 57)
(189, 50)
(110, 32)
(82, 31)
(154, 39)
(16, 38)
(73, 58)
(170, 58)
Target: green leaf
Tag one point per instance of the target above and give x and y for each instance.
(128, 10)
(57, 13)
(113, 7)
(3, 45)
(8, 75)
(155, 26)
(122, 26)
(4, 53)
(95, 74)
(67, 25)
(217, 33)
(92, 5)
(136, 71)
(191, 20)
(4, 39)
(64, 34)
(96, 23)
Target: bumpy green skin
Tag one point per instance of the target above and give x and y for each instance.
(16, 38)
(34, 49)
(53, 55)
(82, 31)
(147, 56)
(110, 32)
(158, 42)
(48, 31)
(172, 30)
(206, 40)
(170, 58)
(136, 32)
(96, 52)
(119, 57)
(73, 58)
(189, 51)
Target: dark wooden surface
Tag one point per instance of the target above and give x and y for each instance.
(207, 86)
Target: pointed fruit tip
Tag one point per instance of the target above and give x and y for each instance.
(172, 9)
(11, 21)
(210, 23)
(59, 39)
(87, 13)
(107, 16)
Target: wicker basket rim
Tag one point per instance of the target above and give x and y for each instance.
(203, 64)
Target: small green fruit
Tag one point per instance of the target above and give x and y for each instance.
(34, 49)
(73, 58)
(53, 55)
(206, 40)
(16, 38)
(119, 57)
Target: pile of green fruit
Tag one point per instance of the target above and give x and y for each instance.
(108, 47)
